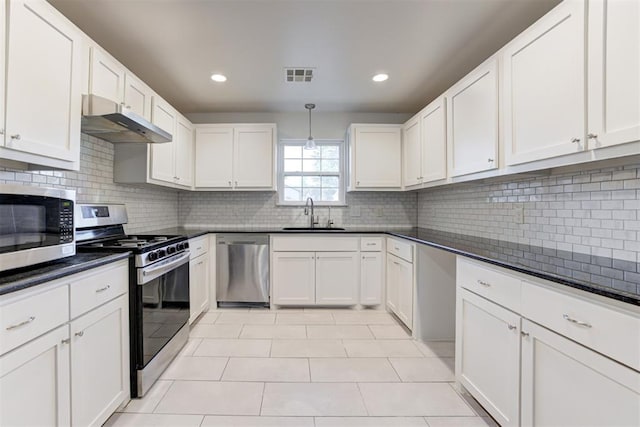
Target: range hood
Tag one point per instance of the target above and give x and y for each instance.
(113, 122)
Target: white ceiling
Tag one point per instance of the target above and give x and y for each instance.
(424, 45)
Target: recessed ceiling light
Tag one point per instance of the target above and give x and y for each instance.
(218, 78)
(380, 77)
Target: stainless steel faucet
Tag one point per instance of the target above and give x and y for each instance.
(312, 220)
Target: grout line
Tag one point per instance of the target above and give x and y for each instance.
(153, 411)
(264, 386)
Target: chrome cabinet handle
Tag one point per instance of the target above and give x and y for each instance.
(486, 284)
(16, 136)
(229, 183)
(371, 244)
(592, 135)
(103, 289)
(357, 182)
(66, 341)
(577, 322)
(512, 327)
(524, 334)
(490, 160)
(575, 140)
(1, 131)
(25, 322)
(79, 334)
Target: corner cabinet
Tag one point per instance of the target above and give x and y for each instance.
(169, 164)
(472, 121)
(41, 130)
(235, 157)
(375, 157)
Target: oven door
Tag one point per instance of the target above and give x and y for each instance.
(162, 305)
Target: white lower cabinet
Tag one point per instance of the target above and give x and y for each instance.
(525, 374)
(566, 384)
(371, 275)
(400, 288)
(198, 277)
(77, 373)
(489, 362)
(99, 362)
(337, 278)
(294, 278)
(34, 382)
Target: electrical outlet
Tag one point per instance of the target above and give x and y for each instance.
(379, 211)
(518, 213)
(354, 211)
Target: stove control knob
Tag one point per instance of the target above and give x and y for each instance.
(180, 246)
(161, 253)
(171, 250)
(186, 245)
(153, 256)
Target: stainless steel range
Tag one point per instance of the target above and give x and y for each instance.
(158, 288)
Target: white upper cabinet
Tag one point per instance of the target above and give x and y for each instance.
(162, 155)
(253, 156)
(411, 153)
(472, 121)
(613, 72)
(235, 157)
(375, 157)
(544, 87)
(106, 75)
(214, 157)
(183, 152)
(110, 79)
(42, 114)
(433, 126)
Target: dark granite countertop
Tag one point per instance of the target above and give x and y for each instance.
(609, 277)
(21, 278)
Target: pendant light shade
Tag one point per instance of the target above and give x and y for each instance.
(310, 144)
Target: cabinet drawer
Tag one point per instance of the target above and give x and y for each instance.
(607, 330)
(315, 244)
(371, 244)
(199, 246)
(400, 249)
(93, 290)
(489, 282)
(27, 318)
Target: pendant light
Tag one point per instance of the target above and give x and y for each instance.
(310, 144)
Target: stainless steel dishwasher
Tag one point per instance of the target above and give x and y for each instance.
(242, 265)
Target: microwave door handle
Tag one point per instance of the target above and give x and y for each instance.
(148, 274)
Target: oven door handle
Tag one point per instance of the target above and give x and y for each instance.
(146, 275)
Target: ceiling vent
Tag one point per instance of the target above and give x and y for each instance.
(298, 74)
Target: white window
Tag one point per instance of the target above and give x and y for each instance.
(311, 173)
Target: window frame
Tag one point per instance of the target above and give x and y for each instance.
(341, 172)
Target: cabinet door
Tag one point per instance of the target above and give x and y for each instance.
(137, 96)
(434, 141)
(100, 362)
(43, 82)
(411, 153)
(162, 155)
(198, 286)
(184, 152)
(213, 158)
(253, 157)
(294, 278)
(405, 292)
(488, 364)
(34, 382)
(566, 384)
(371, 278)
(337, 278)
(472, 125)
(106, 77)
(393, 292)
(614, 72)
(377, 157)
(544, 87)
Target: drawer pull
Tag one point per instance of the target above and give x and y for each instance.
(577, 322)
(396, 263)
(79, 334)
(524, 334)
(199, 248)
(372, 244)
(103, 289)
(17, 325)
(512, 327)
(396, 248)
(480, 282)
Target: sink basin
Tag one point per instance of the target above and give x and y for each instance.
(313, 229)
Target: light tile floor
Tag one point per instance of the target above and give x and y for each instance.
(305, 367)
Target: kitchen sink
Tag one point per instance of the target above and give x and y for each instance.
(313, 229)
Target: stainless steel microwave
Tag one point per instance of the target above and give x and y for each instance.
(36, 225)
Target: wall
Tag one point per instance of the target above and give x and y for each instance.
(592, 211)
(259, 210)
(148, 208)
